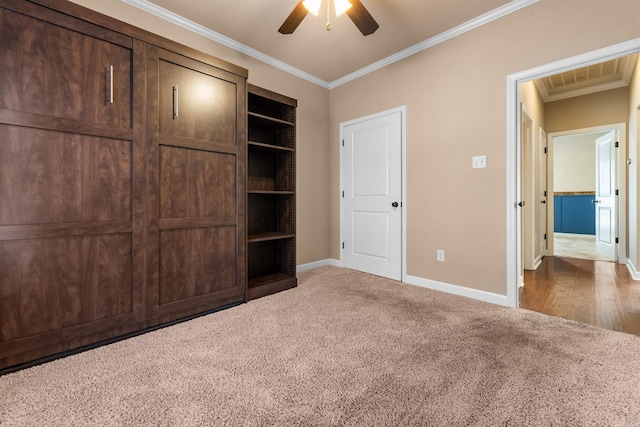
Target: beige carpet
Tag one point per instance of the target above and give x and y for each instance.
(344, 348)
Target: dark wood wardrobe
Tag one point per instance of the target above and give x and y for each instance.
(122, 180)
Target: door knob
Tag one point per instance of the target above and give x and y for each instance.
(544, 201)
(595, 201)
(394, 204)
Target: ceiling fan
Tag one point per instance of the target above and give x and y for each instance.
(353, 8)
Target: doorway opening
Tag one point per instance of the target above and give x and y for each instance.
(587, 178)
(515, 149)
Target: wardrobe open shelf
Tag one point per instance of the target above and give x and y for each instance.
(271, 242)
(268, 121)
(260, 146)
(274, 235)
(269, 279)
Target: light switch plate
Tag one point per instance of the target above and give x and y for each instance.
(478, 162)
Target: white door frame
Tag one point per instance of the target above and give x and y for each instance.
(403, 142)
(513, 140)
(529, 210)
(621, 159)
(543, 152)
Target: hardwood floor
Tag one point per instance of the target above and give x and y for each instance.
(599, 293)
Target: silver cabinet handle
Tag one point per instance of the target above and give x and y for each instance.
(111, 84)
(175, 101)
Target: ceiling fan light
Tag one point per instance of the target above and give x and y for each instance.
(341, 6)
(313, 6)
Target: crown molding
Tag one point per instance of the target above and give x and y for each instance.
(433, 41)
(174, 18)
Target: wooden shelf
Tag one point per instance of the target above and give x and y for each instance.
(269, 284)
(264, 146)
(272, 235)
(267, 279)
(278, 193)
(270, 122)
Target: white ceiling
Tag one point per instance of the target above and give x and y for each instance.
(327, 57)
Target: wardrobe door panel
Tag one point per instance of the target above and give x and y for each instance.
(202, 260)
(54, 71)
(56, 283)
(196, 103)
(58, 177)
(197, 184)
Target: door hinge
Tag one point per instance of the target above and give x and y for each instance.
(617, 144)
(545, 237)
(617, 192)
(342, 245)
(343, 194)
(343, 142)
(545, 150)
(617, 240)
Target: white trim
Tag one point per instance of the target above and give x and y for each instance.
(172, 17)
(203, 31)
(633, 271)
(433, 41)
(458, 290)
(513, 140)
(317, 264)
(404, 203)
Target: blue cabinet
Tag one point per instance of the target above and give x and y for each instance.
(574, 213)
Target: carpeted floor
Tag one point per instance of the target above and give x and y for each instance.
(344, 348)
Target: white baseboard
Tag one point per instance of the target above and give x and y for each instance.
(635, 274)
(425, 283)
(318, 264)
(458, 290)
(537, 262)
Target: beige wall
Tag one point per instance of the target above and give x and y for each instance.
(574, 160)
(534, 104)
(455, 94)
(596, 109)
(312, 155)
(634, 143)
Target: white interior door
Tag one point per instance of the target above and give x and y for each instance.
(542, 175)
(605, 199)
(372, 205)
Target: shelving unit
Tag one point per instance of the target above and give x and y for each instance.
(271, 193)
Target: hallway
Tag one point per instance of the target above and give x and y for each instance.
(599, 293)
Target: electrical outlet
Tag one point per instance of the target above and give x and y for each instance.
(478, 162)
(440, 255)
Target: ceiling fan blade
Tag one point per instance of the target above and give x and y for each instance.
(362, 18)
(294, 19)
